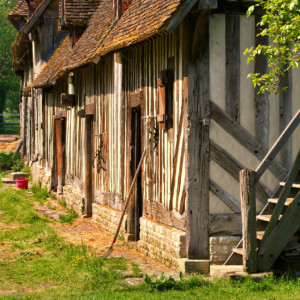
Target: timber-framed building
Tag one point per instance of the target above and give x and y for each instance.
(103, 81)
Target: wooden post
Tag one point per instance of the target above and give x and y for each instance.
(248, 208)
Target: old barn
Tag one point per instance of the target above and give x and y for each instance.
(109, 84)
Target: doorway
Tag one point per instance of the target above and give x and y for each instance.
(60, 146)
(136, 154)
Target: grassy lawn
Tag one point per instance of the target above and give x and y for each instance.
(35, 263)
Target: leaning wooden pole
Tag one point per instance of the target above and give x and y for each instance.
(248, 209)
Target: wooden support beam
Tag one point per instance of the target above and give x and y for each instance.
(232, 37)
(261, 101)
(244, 138)
(288, 225)
(225, 197)
(285, 115)
(233, 167)
(282, 198)
(67, 99)
(197, 141)
(208, 4)
(225, 224)
(248, 207)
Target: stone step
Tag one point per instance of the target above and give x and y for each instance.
(18, 175)
(226, 271)
(7, 181)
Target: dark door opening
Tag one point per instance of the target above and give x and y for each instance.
(60, 143)
(136, 210)
(89, 150)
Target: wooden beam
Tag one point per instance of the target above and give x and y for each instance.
(288, 225)
(283, 138)
(67, 99)
(208, 4)
(88, 165)
(232, 81)
(135, 99)
(282, 198)
(224, 196)
(248, 205)
(180, 15)
(244, 138)
(90, 109)
(237, 8)
(233, 167)
(261, 101)
(197, 143)
(285, 115)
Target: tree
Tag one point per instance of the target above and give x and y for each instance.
(9, 83)
(281, 23)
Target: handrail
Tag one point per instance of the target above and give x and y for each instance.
(285, 135)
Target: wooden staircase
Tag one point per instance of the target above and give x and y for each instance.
(275, 228)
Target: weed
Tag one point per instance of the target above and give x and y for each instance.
(136, 271)
(68, 219)
(50, 206)
(63, 203)
(121, 237)
(52, 196)
(39, 194)
(25, 169)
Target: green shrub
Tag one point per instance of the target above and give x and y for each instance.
(25, 169)
(5, 160)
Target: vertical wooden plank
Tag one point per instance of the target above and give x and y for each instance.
(232, 32)
(285, 115)
(197, 139)
(261, 101)
(88, 165)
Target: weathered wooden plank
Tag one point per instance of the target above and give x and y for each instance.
(245, 138)
(160, 213)
(232, 83)
(282, 198)
(135, 99)
(197, 141)
(285, 115)
(67, 99)
(225, 224)
(90, 109)
(283, 138)
(208, 4)
(88, 165)
(233, 167)
(261, 101)
(224, 196)
(248, 208)
(288, 225)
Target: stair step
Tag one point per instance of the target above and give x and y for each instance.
(238, 251)
(260, 234)
(275, 200)
(266, 218)
(295, 185)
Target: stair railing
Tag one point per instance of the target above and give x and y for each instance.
(248, 180)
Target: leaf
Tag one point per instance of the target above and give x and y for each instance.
(250, 11)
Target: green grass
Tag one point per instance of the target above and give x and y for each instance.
(69, 218)
(38, 264)
(25, 169)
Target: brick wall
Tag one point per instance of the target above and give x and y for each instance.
(161, 242)
(221, 247)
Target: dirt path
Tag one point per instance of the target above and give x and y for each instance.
(82, 231)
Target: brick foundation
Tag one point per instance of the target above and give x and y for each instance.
(107, 218)
(221, 247)
(74, 199)
(40, 173)
(161, 242)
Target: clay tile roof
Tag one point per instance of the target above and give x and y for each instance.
(83, 52)
(54, 60)
(141, 20)
(79, 12)
(20, 9)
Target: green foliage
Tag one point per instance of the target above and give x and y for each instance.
(281, 23)
(63, 203)
(9, 83)
(25, 169)
(69, 218)
(7, 161)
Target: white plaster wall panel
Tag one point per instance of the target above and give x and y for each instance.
(225, 181)
(239, 152)
(247, 40)
(217, 59)
(217, 206)
(295, 108)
